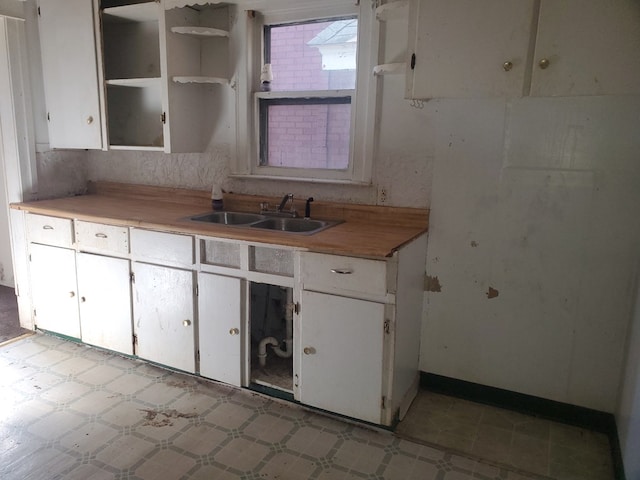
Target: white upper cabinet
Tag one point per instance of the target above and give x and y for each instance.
(134, 70)
(68, 44)
(587, 48)
(468, 48)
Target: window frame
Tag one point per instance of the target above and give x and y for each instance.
(363, 99)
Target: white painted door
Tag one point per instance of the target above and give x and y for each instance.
(70, 69)
(342, 355)
(591, 48)
(467, 48)
(54, 289)
(163, 310)
(104, 290)
(220, 308)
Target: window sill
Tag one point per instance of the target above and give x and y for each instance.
(301, 180)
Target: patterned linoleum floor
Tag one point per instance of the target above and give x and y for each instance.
(69, 411)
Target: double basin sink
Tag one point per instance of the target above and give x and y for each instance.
(304, 226)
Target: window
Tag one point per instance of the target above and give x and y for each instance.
(308, 100)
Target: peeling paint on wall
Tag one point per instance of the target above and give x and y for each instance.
(432, 284)
(492, 293)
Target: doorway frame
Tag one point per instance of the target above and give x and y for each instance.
(17, 150)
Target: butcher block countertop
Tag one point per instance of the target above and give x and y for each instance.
(366, 231)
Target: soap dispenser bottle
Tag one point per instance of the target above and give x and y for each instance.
(216, 198)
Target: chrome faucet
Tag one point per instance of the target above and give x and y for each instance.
(287, 198)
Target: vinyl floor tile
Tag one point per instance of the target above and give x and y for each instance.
(76, 412)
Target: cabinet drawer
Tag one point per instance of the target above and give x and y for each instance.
(108, 238)
(334, 273)
(162, 247)
(50, 230)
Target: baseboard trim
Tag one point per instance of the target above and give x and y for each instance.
(595, 420)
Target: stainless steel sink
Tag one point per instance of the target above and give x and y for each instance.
(228, 218)
(293, 225)
(304, 226)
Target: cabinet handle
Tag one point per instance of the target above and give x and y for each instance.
(72, 294)
(186, 323)
(342, 271)
(507, 66)
(309, 350)
(89, 120)
(234, 331)
(47, 227)
(101, 235)
(544, 63)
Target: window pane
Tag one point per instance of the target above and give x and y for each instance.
(313, 56)
(306, 135)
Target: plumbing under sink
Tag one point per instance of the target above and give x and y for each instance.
(304, 226)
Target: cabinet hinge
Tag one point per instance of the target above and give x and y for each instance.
(413, 61)
(198, 356)
(387, 326)
(296, 308)
(48, 117)
(34, 312)
(383, 403)
(135, 339)
(38, 11)
(29, 257)
(197, 290)
(164, 117)
(133, 277)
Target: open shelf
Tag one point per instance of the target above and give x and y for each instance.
(200, 31)
(201, 80)
(137, 12)
(134, 82)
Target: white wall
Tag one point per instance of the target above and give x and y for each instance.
(536, 198)
(628, 414)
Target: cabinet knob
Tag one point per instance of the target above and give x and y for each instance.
(72, 294)
(186, 323)
(234, 331)
(507, 66)
(309, 350)
(544, 63)
(83, 299)
(89, 120)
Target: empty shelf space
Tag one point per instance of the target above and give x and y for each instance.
(138, 12)
(134, 82)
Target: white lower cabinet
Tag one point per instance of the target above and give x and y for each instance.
(220, 322)
(163, 309)
(54, 289)
(104, 289)
(342, 355)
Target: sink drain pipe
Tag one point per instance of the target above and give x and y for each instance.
(273, 341)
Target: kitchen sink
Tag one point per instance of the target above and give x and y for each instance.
(304, 226)
(293, 225)
(228, 218)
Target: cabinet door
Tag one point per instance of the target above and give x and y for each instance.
(591, 48)
(467, 48)
(69, 63)
(220, 301)
(163, 315)
(104, 289)
(342, 355)
(53, 285)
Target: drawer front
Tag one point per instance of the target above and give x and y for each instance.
(335, 273)
(107, 238)
(50, 230)
(147, 245)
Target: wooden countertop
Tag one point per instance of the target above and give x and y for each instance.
(367, 231)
